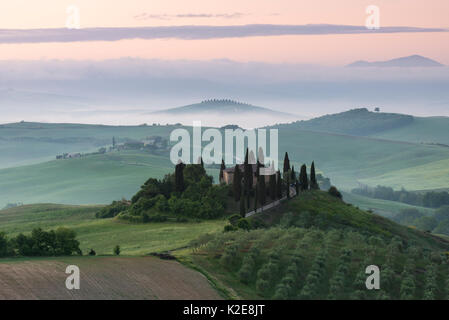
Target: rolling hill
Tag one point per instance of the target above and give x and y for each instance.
(346, 159)
(27, 143)
(357, 146)
(388, 126)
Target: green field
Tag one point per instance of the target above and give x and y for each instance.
(348, 160)
(91, 180)
(103, 234)
(429, 176)
(385, 208)
(421, 130)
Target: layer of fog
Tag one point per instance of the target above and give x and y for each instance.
(123, 91)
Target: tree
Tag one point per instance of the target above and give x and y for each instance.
(286, 163)
(222, 168)
(247, 174)
(407, 290)
(242, 205)
(272, 186)
(179, 177)
(293, 174)
(313, 183)
(278, 185)
(237, 183)
(333, 191)
(256, 197)
(3, 245)
(262, 190)
(117, 250)
(303, 179)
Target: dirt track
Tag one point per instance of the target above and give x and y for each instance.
(104, 278)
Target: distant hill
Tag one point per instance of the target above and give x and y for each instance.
(389, 126)
(360, 122)
(221, 106)
(406, 62)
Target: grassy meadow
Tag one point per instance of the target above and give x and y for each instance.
(103, 234)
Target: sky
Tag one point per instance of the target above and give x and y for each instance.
(132, 57)
(327, 49)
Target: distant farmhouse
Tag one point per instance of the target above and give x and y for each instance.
(151, 144)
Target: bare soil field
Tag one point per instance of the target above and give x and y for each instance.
(103, 278)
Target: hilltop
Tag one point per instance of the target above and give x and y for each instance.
(222, 106)
(356, 122)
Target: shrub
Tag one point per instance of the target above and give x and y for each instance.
(333, 191)
(229, 228)
(243, 224)
(113, 209)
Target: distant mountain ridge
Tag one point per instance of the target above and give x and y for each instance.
(221, 106)
(404, 62)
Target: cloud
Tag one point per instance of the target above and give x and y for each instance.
(190, 32)
(146, 16)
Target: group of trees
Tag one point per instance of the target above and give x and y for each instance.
(437, 222)
(430, 199)
(59, 242)
(187, 193)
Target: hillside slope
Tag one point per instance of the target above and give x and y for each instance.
(318, 247)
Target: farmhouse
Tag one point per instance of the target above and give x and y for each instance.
(228, 174)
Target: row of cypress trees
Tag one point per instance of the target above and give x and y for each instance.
(243, 185)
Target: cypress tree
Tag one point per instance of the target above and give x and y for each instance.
(313, 183)
(278, 185)
(262, 190)
(222, 168)
(286, 163)
(242, 206)
(248, 173)
(303, 179)
(256, 196)
(272, 186)
(179, 177)
(293, 174)
(288, 186)
(237, 183)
